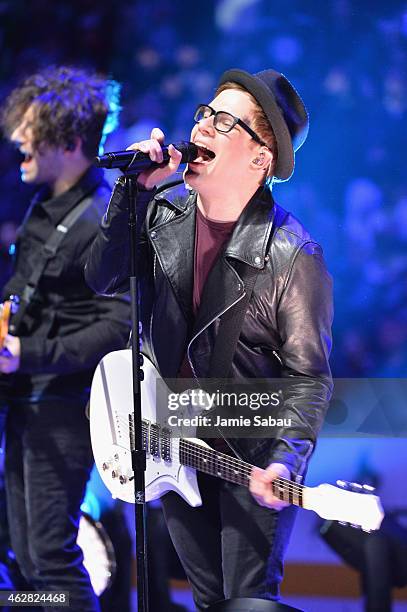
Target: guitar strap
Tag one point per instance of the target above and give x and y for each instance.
(48, 252)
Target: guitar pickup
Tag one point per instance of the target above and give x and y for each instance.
(165, 443)
(144, 433)
(155, 440)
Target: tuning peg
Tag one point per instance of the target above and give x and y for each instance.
(356, 487)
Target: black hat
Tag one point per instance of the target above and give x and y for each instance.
(283, 108)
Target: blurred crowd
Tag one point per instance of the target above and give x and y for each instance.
(347, 58)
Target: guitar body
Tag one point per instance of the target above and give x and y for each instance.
(111, 403)
(172, 461)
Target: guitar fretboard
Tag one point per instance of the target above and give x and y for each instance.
(157, 441)
(234, 470)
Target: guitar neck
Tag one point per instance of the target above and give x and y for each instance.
(226, 467)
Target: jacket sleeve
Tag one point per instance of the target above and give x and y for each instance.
(107, 331)
(304, 316)
(107, 270)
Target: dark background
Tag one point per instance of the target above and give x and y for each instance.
(348, 60)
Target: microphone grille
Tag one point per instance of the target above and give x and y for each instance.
(188, 149)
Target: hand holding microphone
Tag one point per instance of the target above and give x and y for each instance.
(153, 154)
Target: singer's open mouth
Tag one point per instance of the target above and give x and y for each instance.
(205, 155)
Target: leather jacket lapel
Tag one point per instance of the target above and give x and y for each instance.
(174, 243)
(250, 238)
(247, 246)
(223, 288)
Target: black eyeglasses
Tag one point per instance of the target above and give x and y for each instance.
(224, 122)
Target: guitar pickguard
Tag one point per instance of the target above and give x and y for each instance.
(111, 426)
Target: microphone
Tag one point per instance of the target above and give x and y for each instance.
(137, 161)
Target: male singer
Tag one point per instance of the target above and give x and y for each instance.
(198, 242)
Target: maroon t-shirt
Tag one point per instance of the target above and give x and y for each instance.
(210, 237)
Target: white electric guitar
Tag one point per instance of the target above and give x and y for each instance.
(172, 461)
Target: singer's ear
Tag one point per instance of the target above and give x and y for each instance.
(263, 159)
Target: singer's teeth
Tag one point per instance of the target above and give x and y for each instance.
(205, 154)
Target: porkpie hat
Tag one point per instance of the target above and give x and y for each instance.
(283, 108)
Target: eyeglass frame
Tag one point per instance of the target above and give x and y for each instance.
(236, 121)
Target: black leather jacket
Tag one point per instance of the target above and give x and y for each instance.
(287, 328)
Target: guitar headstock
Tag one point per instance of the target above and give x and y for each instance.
(7, 308)
(349, 503)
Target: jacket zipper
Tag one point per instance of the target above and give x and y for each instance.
(277, 356)
(206, 326)
(212, 320)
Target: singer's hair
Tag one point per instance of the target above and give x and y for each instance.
(259, 123)
(68, 103)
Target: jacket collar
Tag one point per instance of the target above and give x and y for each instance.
(177, 195)
(251, 234)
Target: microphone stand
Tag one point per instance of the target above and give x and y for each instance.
(137, 161)
(138, 454)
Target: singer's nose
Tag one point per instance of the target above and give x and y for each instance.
(206, 125)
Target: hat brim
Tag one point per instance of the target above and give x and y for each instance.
(285, 153)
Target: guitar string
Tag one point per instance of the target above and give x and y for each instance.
(244, 468)
(236, 472)
(291, 490)
(200, 453)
